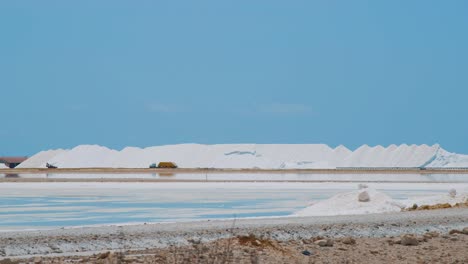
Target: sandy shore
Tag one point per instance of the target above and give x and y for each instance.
(288, 234)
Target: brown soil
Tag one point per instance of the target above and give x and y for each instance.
(431, 247)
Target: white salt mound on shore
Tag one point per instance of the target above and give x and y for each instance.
(240, 156)
(85, 156)
(348, 204)
(40, 159)
(443, 158)
(3, 166)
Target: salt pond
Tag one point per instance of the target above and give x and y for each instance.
(67, 204)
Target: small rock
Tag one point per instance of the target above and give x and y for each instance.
(321, 242)
(318, 238)
(257, 243)
(37, 260)
(194, 241)
(431, 234)
(465, 231)
(324, 243)
(104, 255)
(348, 241)
(454, 238)
(409, 240)
(306, 253)
(364, 197)
(455, 231)
(422, 239)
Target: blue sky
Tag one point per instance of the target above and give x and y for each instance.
(144, 73)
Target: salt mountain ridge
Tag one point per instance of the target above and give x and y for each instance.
(264, 156)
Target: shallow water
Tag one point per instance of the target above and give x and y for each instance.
(68, 204)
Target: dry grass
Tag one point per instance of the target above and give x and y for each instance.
(415, 207)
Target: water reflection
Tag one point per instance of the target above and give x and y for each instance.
(259, 177)
(12, 175)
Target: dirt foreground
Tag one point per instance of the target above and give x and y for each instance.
(431, 247)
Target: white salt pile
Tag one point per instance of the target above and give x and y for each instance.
(442, 158)
(3, 166)
(392, 156)
(85, 156)
(368, 201)
(349, 204)
(264, 156)
(40, 159)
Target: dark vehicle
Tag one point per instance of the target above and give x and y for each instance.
(50, 166)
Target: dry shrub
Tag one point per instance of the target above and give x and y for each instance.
(252, 240)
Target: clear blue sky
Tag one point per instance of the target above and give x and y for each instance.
(143, 73)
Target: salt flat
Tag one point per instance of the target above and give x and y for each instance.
(49, 205)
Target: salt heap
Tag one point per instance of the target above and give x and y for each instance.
(85, 156)
(40, 159)
(239, 156)
(3, 166)
(349, 204)
(443, 158)
(392, 156)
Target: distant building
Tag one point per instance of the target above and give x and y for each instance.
(12, 162)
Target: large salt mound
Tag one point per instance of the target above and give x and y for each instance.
(3, 166)
(264, 156)
(85, 156)
(348, 204)
(40, 159)
(446, 159)
(393, 156)
(203, 156)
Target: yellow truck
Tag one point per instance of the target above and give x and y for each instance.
(164, 164)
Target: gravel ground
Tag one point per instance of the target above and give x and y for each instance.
(432, 247)
(288, 234)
